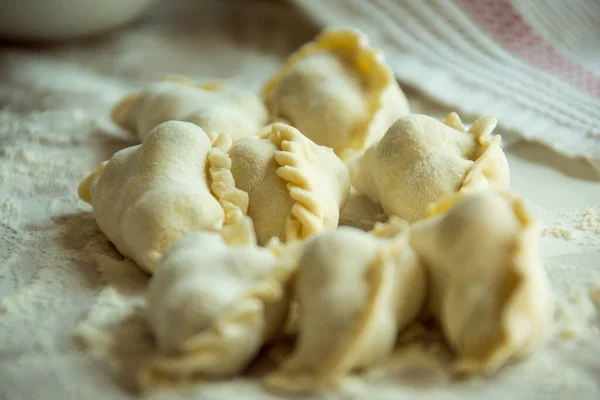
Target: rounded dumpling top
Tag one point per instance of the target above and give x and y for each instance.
(337, 91)
(421, 160)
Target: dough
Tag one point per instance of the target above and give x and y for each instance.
(209, 106)
(421, 160)
(355, 293)
(488, 288)
(296, 188)
(212, 307)
(222, 184)
(147, 196)
(337, 91)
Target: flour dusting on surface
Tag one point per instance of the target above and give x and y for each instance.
(559, 232)
(580, 225)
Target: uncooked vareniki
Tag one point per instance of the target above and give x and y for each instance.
(420, 160)
(147, 196)
(211, 307)
(337, 91)
(355, 292)
(296, 188)
(488, 288)
(214, 109)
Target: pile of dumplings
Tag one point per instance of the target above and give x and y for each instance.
(232, 203)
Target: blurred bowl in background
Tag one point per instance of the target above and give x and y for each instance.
(65, 19)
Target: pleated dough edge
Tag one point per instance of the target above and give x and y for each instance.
(307, 215)
(528, 306)
(83, 189)
(490, 169)
(234, 201)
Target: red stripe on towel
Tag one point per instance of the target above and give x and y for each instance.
(509, 28)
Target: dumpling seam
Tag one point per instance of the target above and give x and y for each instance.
(295, 150)
(487, 153)
(234, 201)
(509, 343)
(378, 275)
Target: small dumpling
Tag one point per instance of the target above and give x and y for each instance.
(211, 307)
(337, 91)
(355, 293)
(421, 160)
(214, 109)
(488, 288)
(295, 187)
(147, 196)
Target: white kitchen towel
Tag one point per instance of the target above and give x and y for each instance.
(535, 64)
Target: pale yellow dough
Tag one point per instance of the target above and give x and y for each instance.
(211, 307)
(421, 160)
(337, 91)
(147, 196)
(487, 286)
(355, 292)
(214, 109)
(296, 188)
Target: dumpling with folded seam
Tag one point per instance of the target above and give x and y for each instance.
(208, 105)
(212, 305)
(295, 187)
(149, 195)
(338, 91)
(487, 286)
(355, 291)
(420, 160)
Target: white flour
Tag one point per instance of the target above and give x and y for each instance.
(582, 225)
(558, 232)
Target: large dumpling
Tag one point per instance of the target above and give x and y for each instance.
(421, 160)
(355, 293)
(488, 288)
(337, 91)
(214, 109)
(147, 196)
(295, 187)
(211, 307)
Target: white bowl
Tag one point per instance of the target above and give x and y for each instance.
(63, 19)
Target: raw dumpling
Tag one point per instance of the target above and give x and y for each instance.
(488, 288)
(212, 307)
(420, 160)
(296, 188)
(147, 196)
(212, 108)
(337, 91)
(355, 293)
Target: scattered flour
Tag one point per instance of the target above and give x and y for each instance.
(582, 226)
(589, 220)
(577, 316)
(558, 232)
